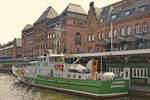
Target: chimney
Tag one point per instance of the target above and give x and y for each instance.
(91, 5)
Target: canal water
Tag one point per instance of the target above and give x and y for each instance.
(10, 89)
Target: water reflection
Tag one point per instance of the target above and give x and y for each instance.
(10, 89)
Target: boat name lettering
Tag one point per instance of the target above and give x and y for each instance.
(118, 82)
(117, 86)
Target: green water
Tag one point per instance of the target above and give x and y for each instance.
(10, 89)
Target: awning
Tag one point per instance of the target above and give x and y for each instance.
(122, 38)
(133, 37)
(146, 36)
(103, 42)
(116, 40)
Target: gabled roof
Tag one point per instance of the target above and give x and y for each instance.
(105, 11)
(98, 11)
(48, 13)
(28, 26)
(133, 7)
(75, 8)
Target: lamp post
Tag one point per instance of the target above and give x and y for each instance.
(111, 36)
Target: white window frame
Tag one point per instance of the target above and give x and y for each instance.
(49, 36)
(122, 31)
(145, 27)
(89, 38)
(129, 30)
(115, 32)
(93, 37)
(99, 36)
(137, 28)
(142, 9)
(102, 35)
(114, 16)
(127, 12)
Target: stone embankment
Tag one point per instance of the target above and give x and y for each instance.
(5, 68)
(139, 90)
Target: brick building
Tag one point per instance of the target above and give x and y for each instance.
(127, 22)
(13, 49)
(27, 41)
(40, 37)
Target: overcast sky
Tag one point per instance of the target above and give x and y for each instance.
(15, 14)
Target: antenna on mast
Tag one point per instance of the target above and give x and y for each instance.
(58, 34)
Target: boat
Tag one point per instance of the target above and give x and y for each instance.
(54, 72)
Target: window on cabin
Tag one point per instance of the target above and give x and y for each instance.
(44, 59)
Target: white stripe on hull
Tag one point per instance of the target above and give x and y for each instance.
(80, 92)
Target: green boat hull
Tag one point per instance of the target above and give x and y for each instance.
(88, 87)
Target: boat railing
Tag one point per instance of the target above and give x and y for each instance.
(109, 76)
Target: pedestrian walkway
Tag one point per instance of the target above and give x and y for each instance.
(140, 88)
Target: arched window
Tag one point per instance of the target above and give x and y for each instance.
(137, 28)
(122, 31)
(145, 27)
(93, 37)
(99, 36)
(129, 30)
(115, 32)
(90, 49)
(102, 35)
(89, 38)
(78, 38)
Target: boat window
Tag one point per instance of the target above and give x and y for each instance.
(55, 59)
(74, 76)
(40, 59)
(68, 75)
(79, 76)
(50, 59)
(44, 59)
(60, 60)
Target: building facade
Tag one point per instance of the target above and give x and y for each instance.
(124, 25)
(12, 49)
(61, 33)
(27, 41)
(120, 26)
